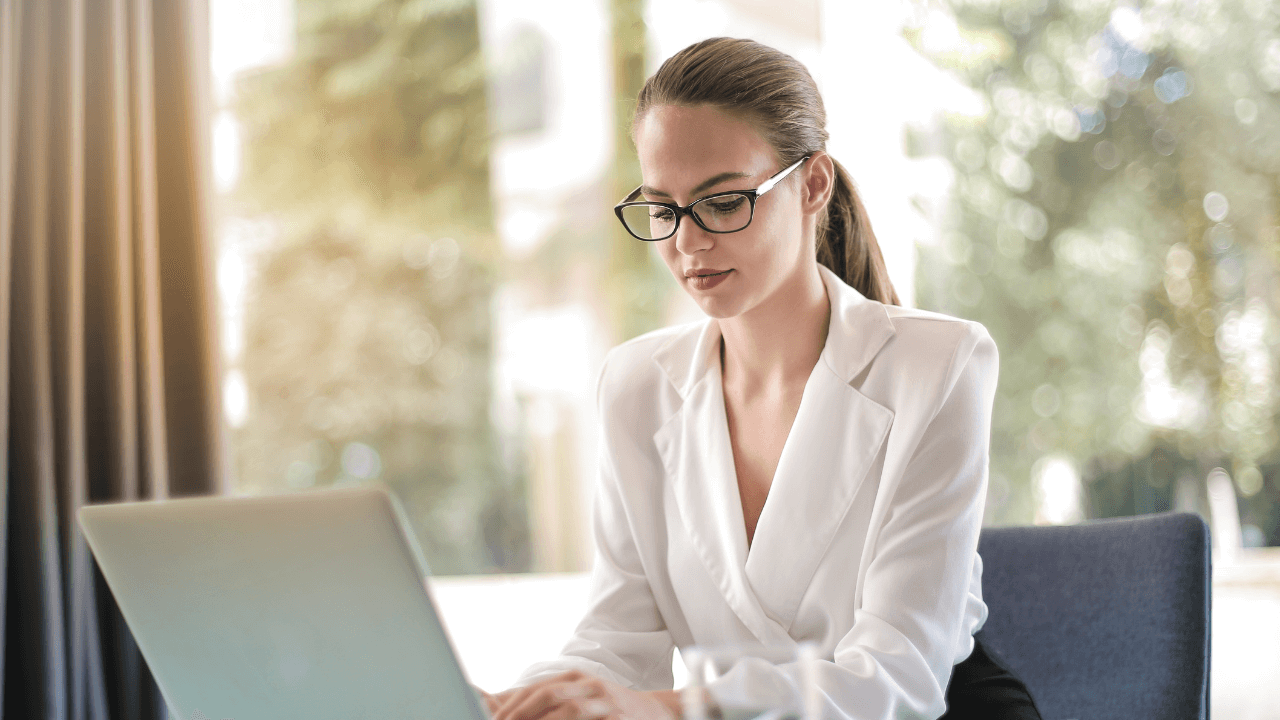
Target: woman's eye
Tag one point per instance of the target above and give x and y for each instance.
(662, 214)
(727, 206)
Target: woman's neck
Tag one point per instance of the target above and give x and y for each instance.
(778, 342)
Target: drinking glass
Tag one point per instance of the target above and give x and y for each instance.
(707, 663)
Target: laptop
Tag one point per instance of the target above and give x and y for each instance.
(310, 605)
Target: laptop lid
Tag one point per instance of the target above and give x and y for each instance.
(309, 605)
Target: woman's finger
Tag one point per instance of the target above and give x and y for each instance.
(557, 696)
(497, 700)
(517, 697)
(489, 701)
(533, 705)
(573, 691)
(592, 708)
(582, 709)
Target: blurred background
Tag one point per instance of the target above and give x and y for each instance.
(419, 270)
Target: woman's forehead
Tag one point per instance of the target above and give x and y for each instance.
(680, 147)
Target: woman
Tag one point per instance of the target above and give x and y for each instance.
(808, 464)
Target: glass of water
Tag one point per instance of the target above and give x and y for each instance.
(708, 663)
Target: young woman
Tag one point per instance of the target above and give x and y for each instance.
(808, 464)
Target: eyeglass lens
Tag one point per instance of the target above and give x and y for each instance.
(723, 213)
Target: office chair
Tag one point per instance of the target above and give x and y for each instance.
(1105, 619)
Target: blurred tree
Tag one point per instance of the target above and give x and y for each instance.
(638, 283)
(368, 347)
(624, 275)
(1115, 227)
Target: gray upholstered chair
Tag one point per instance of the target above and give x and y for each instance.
(1106, 619)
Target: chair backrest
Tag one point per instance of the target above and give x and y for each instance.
(1106, 619)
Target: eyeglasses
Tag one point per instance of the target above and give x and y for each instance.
(725, 212)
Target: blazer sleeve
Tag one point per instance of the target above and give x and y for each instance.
(622, 637)
(916, 611)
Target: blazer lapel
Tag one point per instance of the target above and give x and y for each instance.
(695, 450)
(834, 441)
(700, 465)
(831, 448)
(832, 445)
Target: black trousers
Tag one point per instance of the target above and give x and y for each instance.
(983, 687)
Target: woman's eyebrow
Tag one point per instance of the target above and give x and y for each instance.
(705, 185)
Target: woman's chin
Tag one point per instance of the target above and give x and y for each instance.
(717, 307)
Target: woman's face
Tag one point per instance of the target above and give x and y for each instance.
(687, 153)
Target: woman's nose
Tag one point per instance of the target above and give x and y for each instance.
(691, 238)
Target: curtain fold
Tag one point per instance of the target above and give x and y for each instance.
(10, 48)
(107, 310)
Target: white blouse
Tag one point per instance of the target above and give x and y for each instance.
(867, 541)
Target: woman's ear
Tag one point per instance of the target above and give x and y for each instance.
(819, 183)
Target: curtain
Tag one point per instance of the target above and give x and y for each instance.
(106, 309)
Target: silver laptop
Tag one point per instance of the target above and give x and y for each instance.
(311, 606)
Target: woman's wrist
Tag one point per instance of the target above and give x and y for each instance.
(673, 701)
(670, 700)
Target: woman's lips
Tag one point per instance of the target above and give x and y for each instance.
(706, 279)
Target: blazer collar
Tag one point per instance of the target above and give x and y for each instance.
(832, 446)
(859, 329)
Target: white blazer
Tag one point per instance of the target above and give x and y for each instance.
(867, 542)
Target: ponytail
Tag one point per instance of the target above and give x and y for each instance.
(775, 93)
(847, 245)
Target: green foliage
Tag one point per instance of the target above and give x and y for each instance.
(1115, 229)
(380, 113)
(368, 348)
(637, 279)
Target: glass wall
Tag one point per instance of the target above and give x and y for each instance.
(421, 273)
(360, 265)
(1113, 222)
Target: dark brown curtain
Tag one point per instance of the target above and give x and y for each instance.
(107, 309)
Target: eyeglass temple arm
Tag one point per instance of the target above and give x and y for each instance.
(631, 195)
(764, 188)
(768, 184)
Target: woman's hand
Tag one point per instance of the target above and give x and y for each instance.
(493, 702)
(578, 696)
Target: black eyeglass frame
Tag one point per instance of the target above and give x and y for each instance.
(752, 196)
